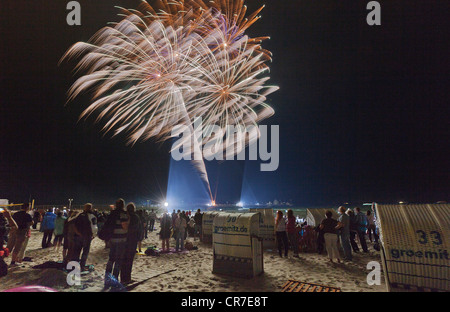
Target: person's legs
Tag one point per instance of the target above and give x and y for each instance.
(177, 240)
(293, 242)
(320, 243)
(44, 239)
(362, 240)
(334, 248)
(285, 243)
(152, 225)
(120, 254)
(21, 254)
(125, 269)
(76, 250)
(49, 237)
(11, 240)
(375, 235)
(369, 233)
(279, 242)
(166, 244)
(111, 259)
(19, 240)
(86, 246)
(345, 242)
(353, 242)
(328, 245)
(69, 245)
(183, 237)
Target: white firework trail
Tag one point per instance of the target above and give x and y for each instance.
(148, 76)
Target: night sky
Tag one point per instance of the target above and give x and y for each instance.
(363, 110)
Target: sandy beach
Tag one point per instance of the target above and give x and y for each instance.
(191, 271)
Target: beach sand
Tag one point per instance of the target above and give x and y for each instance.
(192, 271)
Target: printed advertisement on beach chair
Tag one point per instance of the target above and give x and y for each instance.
(237, 247)
(207, 226)
(414, 241)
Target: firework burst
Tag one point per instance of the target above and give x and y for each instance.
(167, 65)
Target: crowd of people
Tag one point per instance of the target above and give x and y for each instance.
(351, 226)
(123, 229)
(344, 233)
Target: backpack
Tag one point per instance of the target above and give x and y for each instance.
(107, 230)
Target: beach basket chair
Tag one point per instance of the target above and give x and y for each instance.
(315, 215)
(299, 286)
(414, 241)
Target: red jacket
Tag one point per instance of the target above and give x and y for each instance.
(291, 226)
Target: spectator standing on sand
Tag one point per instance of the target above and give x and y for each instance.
(152, 218)
(47, 227)
(165, 229)
(292, 232)
(281, 235)
(36, 218)
(184, 214)
(329, 227)
(344, 234)
(140, 227)
(371, 227)
(119, 220)
(362, 228)
(59, 230)
(145, 222)
(353, 229)
(191, 227)
(21, 254)
(180, 231)
(86, 225)
(134, 236)
(198, 218)
(18, 234)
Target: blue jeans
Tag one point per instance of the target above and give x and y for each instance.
(180, 236)
(345, 242)
(116, 256)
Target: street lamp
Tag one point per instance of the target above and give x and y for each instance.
(70, 203)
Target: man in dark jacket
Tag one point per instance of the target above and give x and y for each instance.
(84, 226)
(135, 229)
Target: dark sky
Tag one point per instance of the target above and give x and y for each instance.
(363, 111)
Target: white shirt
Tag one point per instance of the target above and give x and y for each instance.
(281, 227)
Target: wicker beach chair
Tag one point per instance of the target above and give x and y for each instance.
(414, 241)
